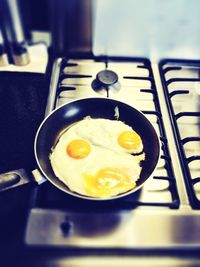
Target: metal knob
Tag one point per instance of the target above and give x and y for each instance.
(106, 80)
(66, 227)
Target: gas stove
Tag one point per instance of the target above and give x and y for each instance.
(164, 214)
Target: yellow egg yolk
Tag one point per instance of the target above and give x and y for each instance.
(78, 149)
(108, 182)
(129, 140)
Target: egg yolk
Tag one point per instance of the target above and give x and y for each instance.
(108, 182)
(129, 140)
(78, 149)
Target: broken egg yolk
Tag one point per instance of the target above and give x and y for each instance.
(129, 140)
(108, 182)
(78, 149)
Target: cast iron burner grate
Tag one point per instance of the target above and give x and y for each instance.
(72, 79)
(181, 83)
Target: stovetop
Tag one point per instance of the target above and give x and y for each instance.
(181, 83)
(169, 200)
(137, 90)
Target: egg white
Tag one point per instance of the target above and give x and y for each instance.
(105, 133)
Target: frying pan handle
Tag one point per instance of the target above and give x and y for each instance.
(20, 177)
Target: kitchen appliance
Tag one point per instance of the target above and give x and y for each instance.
(162, 220)
(169, 201)
(13, 32)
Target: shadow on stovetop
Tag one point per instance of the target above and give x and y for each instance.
(50, 197)
(88, 218)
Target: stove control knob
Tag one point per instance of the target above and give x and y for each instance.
(66, 228)
(106, 80)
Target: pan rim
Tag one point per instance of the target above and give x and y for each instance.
(84, 196)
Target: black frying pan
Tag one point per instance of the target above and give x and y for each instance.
(69, 113)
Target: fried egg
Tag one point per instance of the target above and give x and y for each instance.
(91, 161)
(111, 134)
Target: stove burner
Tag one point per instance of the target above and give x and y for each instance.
(106, 80)
(107, 77)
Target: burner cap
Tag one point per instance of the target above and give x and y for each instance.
(107, 77)
(106, 80)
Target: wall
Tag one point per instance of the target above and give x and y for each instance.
(152, 28)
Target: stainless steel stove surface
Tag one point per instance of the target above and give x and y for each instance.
(165, 213)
